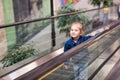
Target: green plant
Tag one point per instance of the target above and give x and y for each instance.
(107, 2)
(99, 2)
(17, 55)
(64, 22)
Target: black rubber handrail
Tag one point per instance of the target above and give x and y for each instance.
(40, 19)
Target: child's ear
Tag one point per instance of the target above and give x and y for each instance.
(81, 34)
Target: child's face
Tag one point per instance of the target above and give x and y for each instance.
(75, 31)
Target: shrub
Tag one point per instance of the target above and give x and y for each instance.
(17, 55)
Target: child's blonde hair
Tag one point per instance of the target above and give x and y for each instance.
(80, 26)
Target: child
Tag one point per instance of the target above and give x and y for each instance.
(76, 37)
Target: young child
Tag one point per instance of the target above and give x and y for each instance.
(76, 37)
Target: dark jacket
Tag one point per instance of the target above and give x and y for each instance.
(70, 43)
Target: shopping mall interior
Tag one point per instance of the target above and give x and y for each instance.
(34, 33)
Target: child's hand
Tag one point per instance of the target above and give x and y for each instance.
(106, 28)
(99, 30)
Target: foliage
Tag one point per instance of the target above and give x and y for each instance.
(99, 2)
(107, 2)
(17, 55)
(64, 22)
(96, 2)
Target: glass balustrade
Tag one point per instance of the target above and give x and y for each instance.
(89, 59)
(34, 39)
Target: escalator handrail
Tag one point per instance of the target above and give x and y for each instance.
(50, 17)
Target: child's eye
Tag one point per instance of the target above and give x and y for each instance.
(76, 30)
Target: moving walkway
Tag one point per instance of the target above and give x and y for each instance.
(98, 55)
(101, 53)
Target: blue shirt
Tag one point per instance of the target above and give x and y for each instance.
(70, 43)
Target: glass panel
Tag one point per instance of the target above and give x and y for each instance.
(84, 61)
(30, 9)
(34, 39)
